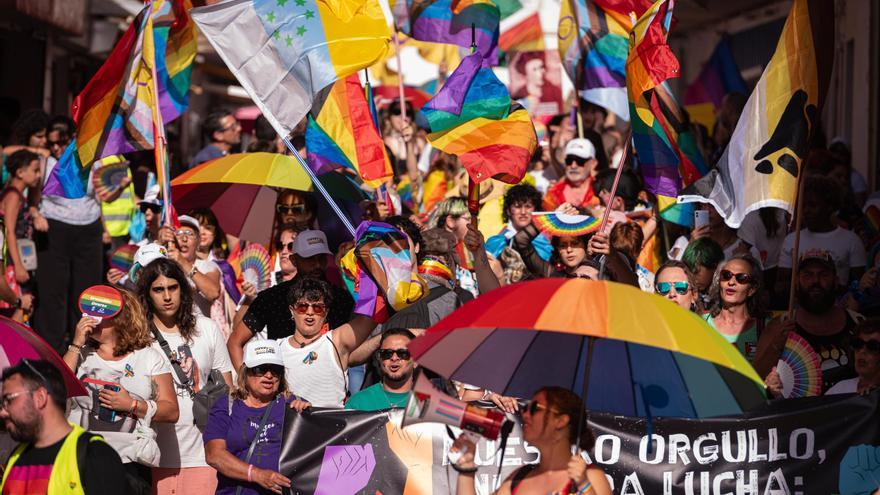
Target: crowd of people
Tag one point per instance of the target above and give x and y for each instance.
(188, 326)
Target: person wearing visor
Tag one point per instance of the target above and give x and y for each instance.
(243, 434)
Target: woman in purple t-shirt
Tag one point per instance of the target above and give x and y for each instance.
(260, 397)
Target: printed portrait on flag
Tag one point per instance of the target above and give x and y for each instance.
(536, 82)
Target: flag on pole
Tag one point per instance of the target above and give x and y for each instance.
(593, 41)
(175, 37)
(284, 52)
(472, 117)
(720, 76)
(761, 164)
(522, 33)
(341, 134)
(449, 21)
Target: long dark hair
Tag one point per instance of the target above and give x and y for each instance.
(755, 303)
(185, 318)
(566, 402)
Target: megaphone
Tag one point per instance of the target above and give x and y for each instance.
(427, 404)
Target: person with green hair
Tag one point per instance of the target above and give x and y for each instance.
(702, 257)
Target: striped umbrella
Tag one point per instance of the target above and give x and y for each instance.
(640, 354)
(19, 342)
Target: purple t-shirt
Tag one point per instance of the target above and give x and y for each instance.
(238, 430)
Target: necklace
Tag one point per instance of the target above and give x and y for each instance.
(391, 404)
(304, 343)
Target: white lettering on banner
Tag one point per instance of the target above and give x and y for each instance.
(710, 453)
(599, 450)
(720, 478)
(631, 485)
(740, 447)
(773, 441)
(658, 446)
(809, 441)
(754, 456)
(752, 487)
(679, 444)
(776, 484)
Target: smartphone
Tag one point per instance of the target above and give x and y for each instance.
(104, 414)
(701, 218)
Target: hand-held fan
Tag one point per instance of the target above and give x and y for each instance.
(799, 369)
(255, 268)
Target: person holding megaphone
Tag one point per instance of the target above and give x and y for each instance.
(549, 424)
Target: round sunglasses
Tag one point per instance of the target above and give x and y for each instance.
(303, 308)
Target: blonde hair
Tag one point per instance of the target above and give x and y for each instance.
(130, 325)
(240, 391)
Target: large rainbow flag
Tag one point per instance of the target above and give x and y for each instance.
(719, 77)
(343, 135)
(285, 52)
(472, 117)
(522, 33)
(593, 41)
(449, 21)
(761, 165)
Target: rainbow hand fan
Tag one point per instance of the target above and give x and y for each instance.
(561, 224)
(799, 369)
(108, 178)
(123, 258)
(255, 266)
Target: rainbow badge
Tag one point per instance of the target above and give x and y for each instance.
(123, 258)
(561, 224)
(799, 369)
(100, 301)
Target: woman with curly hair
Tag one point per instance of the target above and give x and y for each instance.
(736, 309)
(195, 347)
(129, 384)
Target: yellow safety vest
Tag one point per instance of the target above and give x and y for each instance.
(117, 214)
(65, 471)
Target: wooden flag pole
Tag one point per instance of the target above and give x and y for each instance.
(400, 84)
(613, 191)
(473, 199)
(798, 218)
(160, 141)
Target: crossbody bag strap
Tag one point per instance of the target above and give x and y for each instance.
(181, 375)
(250, 452)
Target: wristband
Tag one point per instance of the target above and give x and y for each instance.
(133, 410)
(584, 489)
(462, 470)
(250, 473)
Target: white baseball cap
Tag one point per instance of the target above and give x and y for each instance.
(145, 255)
(581, 148)
(189, 221)
(257, 352)
(310, 243)
(151, 197)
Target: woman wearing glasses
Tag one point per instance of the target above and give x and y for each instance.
(253, 414)
(675, 282)
(736, 309)
(550, 424)
(315, 357)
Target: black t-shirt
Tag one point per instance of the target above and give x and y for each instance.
(835, 353)
(271, 310)
(101, 471)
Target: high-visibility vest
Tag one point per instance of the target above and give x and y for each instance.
(65, 471)
(117, 214)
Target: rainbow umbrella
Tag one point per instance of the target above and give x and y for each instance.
(242, 189)
(18, 341)
(641, 355)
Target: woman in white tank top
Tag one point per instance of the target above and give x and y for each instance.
(315, 359)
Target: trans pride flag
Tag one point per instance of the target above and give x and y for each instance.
(344, 135)
(449, 21)
(471, 117)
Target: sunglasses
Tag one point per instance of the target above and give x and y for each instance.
(185, 233)
(576, 159)
(534, 406)
(663, 288)
(281, 246)
(303, 307)
(871, 345)
(741, 278)
(290, 209)
(7, 399)
(262, 369)
(387, 353)
(153, 208)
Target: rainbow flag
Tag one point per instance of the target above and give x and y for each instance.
(449, 21)
(342, 134)
(285, 52)
(720, 76)
(593, 42)
(175, 38)
(471, 117)
(560, 224)
(524, 35)
(761, 165)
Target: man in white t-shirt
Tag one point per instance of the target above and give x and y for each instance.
(866, 352)
(204, 275)
(820, 200)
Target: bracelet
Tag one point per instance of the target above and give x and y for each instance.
(584, 489)
(74, 346)
(462, 470)
(133, 410)
(250, 473)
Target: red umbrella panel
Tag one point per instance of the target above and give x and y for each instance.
(18, 341)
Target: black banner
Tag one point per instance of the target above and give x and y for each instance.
(813, 446)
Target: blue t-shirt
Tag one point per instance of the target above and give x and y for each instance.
(238, 430)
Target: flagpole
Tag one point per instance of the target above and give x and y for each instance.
(473, 198)
(400, 86)
(613, 194)
(159, 138)
(798, 217)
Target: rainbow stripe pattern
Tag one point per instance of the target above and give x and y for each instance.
(720, 76)
(560, 224)
(255, 266)
(523, 36)
(344, 135)
(799, 369)
(449, 21)
(123, 258)
(100, 301)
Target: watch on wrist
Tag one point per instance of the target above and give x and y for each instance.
(18, 302)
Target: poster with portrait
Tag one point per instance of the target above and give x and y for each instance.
(536, 82)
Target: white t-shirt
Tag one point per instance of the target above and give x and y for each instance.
(313, 372)
(752, 231)
(849, 386)
(844, 246)
(134, 373)
(181, 444)
(202, 305)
